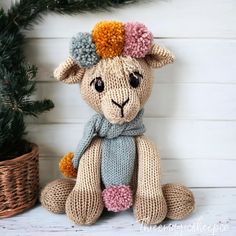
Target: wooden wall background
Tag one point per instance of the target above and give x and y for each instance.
(191, 114)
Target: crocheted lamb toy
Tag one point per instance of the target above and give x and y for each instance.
(115, 164)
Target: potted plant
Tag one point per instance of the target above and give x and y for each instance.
(19, 172)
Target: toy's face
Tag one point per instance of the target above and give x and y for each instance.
(118, 87)
(113, 65)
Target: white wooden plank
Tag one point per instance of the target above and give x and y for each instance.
(190, 172)
(175, 138)
(204, 60)
(194, 101)
(214, 215)
(179, 18)
(5, 4)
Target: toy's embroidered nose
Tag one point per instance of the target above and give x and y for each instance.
(121, 106)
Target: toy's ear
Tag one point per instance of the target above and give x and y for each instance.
(69, 72)
(159, 56)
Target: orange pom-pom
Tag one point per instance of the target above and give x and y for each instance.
(109, 37)
(66, 166)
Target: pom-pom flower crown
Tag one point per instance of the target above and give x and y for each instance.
(110, 39)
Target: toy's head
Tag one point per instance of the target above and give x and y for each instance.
(113, 67)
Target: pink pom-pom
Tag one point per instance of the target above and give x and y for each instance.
(138, 40)
(117, 198)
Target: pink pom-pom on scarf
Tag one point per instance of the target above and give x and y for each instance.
(117, 198)
(138, 40)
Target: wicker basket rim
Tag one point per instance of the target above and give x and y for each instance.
(34, 151)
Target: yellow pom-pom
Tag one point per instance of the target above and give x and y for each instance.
(109, 38)
(66, 166)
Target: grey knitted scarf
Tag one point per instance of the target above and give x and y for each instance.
(118, 147)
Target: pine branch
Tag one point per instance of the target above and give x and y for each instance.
(12, 130)
(34, 108)
(25, 13)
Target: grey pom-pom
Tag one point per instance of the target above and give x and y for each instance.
(83, 50)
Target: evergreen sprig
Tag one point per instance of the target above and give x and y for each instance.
(17, 76)
(25, 13)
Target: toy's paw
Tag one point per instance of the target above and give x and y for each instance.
(84, 207)
(66, 166)
(53, 196)
(179, 199)
(117, 198)
(150, 210)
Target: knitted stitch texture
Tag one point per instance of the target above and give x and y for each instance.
(118, 147)
(116, 87)
(179, 199)
(54, 195)
(84, 204)
(118, 156)
(150, 205)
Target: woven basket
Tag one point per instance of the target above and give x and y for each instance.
(19, 183)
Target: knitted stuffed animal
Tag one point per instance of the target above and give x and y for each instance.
(115, 164)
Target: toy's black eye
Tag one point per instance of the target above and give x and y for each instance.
(98, 84)
(135, 79)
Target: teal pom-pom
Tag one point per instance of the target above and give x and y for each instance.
(83, 50)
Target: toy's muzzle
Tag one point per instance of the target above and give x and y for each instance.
(120, 105)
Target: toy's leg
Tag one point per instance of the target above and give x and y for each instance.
(84, 204)
(134, 179)
(150, 205)
(179, 199)
(53, 196)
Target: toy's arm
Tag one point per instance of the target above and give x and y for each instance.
(71, 160)
(150, 206)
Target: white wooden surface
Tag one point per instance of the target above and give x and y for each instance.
(191, 114)
(215, 215)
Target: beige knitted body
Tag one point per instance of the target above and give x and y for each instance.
(152, 202)
(84, 204)
(150, 205)
(83, 201)
(54, 195)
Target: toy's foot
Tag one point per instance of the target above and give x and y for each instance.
(150, 210)
(179, 199)
(84, 207)
(53, 196)
(117, 198)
